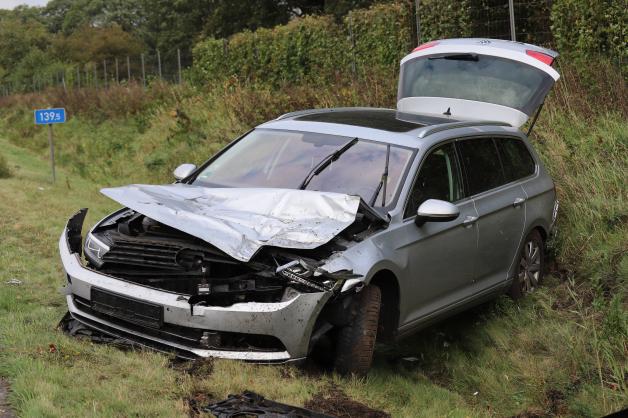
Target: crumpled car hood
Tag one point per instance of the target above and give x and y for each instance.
(241, 221)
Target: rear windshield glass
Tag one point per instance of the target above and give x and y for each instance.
(284, 159)
(476, 77)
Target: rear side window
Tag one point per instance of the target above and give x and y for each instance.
(516, 159)
(482, 166)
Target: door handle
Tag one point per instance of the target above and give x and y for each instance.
(469, 221)
(518, 202)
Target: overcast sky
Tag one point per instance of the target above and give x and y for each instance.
(10, 4)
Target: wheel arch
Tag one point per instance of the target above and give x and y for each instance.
(540, 227)
(388, 285)
(539, 224)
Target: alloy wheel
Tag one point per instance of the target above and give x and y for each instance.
(530, 267)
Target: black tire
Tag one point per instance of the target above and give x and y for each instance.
(356, 341)
(530, 266)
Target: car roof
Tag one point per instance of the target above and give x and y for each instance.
(377, 124)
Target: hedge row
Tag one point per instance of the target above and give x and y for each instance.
(318, 49)
(311, 48)
(592, 27)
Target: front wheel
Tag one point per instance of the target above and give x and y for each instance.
(530, 265)
(356, 341)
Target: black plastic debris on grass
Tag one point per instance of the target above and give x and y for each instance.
(74, 328)
(250, 404)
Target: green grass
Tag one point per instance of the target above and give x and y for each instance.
(499, 360)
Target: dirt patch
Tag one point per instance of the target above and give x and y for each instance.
(201, 367)
(197, 401)
(556, 402)
(5, 409)
(564, 296)
(335, 402)
(555, 405)
(531, 413)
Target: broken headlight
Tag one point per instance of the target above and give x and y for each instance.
(315, 278)
(95, 249)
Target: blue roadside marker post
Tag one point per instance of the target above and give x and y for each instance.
(50, 117)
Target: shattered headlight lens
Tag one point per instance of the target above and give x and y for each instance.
(299, 272)
(94, 248)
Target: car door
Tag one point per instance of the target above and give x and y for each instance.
(440, 255)
(501, 210)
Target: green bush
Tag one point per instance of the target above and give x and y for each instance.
(304, 49)
(4, 168)
(318, 49)
(445, 19)
(312, 49)
(591, 27)
(382, 36)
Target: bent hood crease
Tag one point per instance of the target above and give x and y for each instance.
(241, 221)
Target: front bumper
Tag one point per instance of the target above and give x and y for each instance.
(291, 321)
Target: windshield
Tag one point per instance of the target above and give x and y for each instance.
(284, 159)
(476, 77)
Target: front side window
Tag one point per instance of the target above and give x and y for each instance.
(438, 178)
(516, 159)
(284, 159)
(482, 166)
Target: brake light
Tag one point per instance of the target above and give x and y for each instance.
(544, 58)
(425, 46)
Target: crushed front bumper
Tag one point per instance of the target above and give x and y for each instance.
(291, 322)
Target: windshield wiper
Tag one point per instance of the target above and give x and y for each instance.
(382, 182)
(457, 57)
(325, 162)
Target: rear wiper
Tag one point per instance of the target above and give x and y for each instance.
(325, 162)
(457, 57)
(382, 182)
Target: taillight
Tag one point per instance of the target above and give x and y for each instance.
(425, 46)
(544, 58)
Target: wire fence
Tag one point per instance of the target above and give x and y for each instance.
(517, 20)
(521, 20)
(141, 69)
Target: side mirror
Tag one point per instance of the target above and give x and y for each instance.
(183, 171)
(433, 210)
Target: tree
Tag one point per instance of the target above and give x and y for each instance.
(66, 16)
(95, 44)
(231, 16)
(169, 25)
(338, 8)
(18, 38)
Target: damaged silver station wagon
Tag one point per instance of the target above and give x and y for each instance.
(328, 229)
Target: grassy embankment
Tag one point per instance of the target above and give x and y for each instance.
(560, 352)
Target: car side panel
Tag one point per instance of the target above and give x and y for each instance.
(439, 270)
(541, 196)
(501, 226)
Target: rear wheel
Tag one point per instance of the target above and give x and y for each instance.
(356, 341)
(530, 265)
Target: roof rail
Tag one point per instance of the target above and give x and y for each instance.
(321, 110)
(432, 129)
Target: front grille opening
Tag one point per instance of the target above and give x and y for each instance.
(191, 337)
(179, 263)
